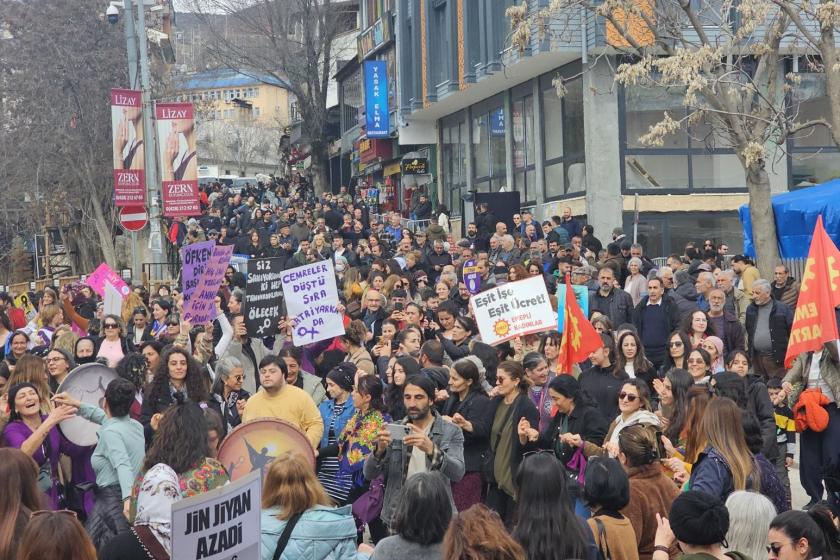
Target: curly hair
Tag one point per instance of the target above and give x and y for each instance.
(133, 367)
(177, 442)
(158, 390)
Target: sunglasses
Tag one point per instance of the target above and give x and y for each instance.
(111, 326)
(775, 548)
(696, 361)
(238, 377)
(675, 344)
(629, 397)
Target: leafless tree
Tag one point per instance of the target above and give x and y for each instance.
(289, 40)
(726, 59)
(58, 61)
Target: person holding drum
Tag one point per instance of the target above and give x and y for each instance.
(116, 460)
(38, 436)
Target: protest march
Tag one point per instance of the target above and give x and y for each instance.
(322, 381)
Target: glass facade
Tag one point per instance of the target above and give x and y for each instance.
(563, 134)
(662, 234)
(814, 158)
(488, 149)
(454, 162)
(695, 157)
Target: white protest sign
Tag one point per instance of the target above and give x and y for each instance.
(113, 300)
(223, 524)
(312, 302)
(513, 309)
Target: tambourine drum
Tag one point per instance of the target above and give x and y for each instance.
(253, 445)
(86, 383)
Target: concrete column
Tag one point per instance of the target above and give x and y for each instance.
(539, 163)
(506, 108)
(603, 166)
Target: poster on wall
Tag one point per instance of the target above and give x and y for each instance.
(128, 148)
(177, 153)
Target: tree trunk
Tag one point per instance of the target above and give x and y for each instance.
(763, 222)
(320, 163)
(103, 230)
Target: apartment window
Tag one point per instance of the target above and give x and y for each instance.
(255, 112)
(693, 157)
(440, 42)
(351, 100)
(563, 138)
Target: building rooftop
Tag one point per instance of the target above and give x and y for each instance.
(225, 78)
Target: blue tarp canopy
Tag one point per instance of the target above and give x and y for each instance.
(796, 215)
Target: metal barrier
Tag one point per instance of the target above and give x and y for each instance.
(412, 225)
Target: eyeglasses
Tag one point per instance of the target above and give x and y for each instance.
(629, 397)
(238, 377)
(54, 359)
(111, 326)
(69, 512)
(675, 344)
(775, 548)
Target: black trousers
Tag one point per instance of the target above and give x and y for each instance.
(502, 503)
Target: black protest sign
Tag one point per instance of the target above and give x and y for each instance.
(263, 297)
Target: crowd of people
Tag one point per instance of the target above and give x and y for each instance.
(675, 438)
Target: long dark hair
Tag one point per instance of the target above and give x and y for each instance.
(195, 383)
(372, 386)
(425, 496)
(547, 527)
(681, 382)
(640, 362)
(669, 362)
(180, 440)
(816, 526)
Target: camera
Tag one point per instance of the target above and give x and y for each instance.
(113, 15)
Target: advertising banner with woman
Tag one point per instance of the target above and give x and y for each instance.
(129, 156)
(176, 145)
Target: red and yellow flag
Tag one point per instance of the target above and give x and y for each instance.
(814, 322)
(579, 337)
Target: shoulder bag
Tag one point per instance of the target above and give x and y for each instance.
(286, 535)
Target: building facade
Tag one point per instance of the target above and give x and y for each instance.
(500, 124)
(372, 164)
(236, 97)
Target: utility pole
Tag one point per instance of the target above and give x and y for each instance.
(136, 43)
(152, 176)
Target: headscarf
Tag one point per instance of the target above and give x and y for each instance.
(717, 365)
(13, 413)
(88, 359)
(158, 492)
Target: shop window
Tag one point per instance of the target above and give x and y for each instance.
(454, 142)
(645, 107)
(481, 146)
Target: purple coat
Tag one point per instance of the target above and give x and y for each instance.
(17, 432)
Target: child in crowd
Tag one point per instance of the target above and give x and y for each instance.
(785, 432)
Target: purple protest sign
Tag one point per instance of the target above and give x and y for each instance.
(201, 307)
(194, 258)
(472, 277)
